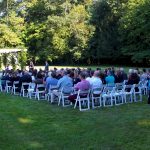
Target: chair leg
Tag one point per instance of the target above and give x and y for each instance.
(141, 97)
(59, 100)
(80, 108)
(63, 101)
(100, 102)
(88, 104)
(93, 106)
(76, 103)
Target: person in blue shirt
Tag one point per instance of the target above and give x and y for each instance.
(110, 78)
(65, 82)
(51, 80)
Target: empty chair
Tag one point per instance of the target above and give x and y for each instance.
(83, 100)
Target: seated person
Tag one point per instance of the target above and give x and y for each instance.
(75, 77)
(25, 78)
(83, 85)
(110, 80)
(119, 77)
(133, 79)
(39, 78)
(95, 81)
(51, 80)
(65, 82)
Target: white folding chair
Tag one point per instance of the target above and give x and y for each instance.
(83, 99)
(118, 92)
(96, 97)
(128, 93)
(63, 98)
(137, 93)
(24, 89)
(40, 92)
(49, 95)
(119, 86)
(31, 90)
(144, 86)
(15, 87)
(125, 82)
(108, 97)
(8, 87)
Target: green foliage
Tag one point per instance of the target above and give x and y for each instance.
(105, 44)
(1, 62)
(22, 58)
(62, 31)
(89, 31)
(8, 38)
(13, 62)
(135, 31)
(5, 59)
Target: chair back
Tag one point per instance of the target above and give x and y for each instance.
(25, 85)
(40, 87)
(119, 86)
(128, 88)
(97, 91)
(83, 93)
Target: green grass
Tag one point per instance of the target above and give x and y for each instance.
(37, 125)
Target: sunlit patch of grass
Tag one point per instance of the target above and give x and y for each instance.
(144, 123)
(25, 120)
(35, 144)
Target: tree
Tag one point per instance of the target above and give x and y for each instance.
(63, 31)
(135, 31)
(8, 38)
(22, 58)
(104, 45)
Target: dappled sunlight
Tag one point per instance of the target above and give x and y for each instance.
(25, 120)
(56, 125)
(35, 144)
(144, 123)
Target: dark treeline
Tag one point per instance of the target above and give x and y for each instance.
(78, 31)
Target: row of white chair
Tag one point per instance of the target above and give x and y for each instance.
(106, 95)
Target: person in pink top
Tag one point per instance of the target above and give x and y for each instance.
(82, 85)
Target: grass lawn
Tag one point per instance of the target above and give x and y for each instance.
(31, 125)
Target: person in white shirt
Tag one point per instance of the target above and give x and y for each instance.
(95, 81)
